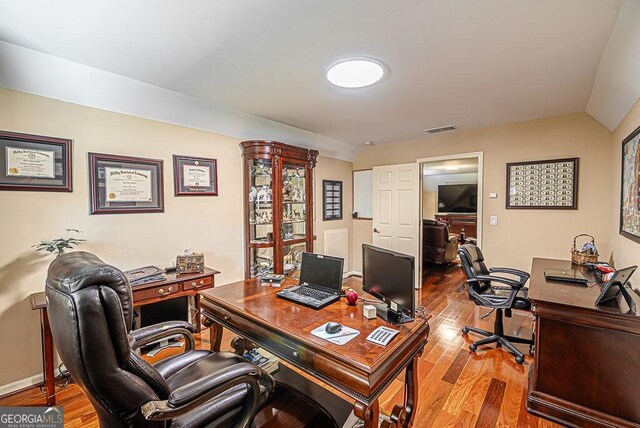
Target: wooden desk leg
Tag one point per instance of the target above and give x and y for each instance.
(215, 334)
(196, 304)
(369, 414)
(47, 358)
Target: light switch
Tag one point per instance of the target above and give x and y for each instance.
(493, 220)
(493, 195)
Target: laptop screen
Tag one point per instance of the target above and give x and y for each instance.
(324, 272)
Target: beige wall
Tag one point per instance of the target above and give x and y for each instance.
(213, 225)
(625, 252)
(522, 234)
(334, 169)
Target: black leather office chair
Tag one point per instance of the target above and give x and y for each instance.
(90, 310)
(484, 292)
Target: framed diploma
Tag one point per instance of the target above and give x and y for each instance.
(123, 184)
(195, 176)
(34, 162)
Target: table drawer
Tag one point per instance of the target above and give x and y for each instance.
(296, 354)
(155, 292)
(197, 283)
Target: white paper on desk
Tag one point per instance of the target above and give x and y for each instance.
(339, 338)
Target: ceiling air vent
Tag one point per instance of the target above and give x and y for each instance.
(441, 129)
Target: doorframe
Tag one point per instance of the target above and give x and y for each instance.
(480, 157)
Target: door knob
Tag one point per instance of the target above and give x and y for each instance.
(375, 230)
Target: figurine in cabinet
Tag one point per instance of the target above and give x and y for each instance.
(252, 194)
(286, 190)
(263, 194)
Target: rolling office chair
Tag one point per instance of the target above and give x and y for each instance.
(91, 309)
(483, 291)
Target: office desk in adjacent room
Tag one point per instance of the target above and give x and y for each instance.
(587, 357)
(359, 369)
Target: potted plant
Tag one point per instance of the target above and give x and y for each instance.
(59, 245)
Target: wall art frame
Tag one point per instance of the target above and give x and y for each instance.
(195, 176)
(630, 186)
(544, 184)
(35, 163)
(125, 184)
(331, 200)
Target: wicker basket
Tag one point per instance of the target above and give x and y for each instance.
(582, 258)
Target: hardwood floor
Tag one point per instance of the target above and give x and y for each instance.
(457, 388)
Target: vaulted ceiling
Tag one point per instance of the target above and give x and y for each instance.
(465, 62)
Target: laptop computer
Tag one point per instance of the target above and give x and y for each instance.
(565, 275)
(320, 281)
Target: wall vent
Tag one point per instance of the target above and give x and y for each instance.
(441, 129)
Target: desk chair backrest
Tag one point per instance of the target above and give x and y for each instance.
(473, 265)
(91, 310)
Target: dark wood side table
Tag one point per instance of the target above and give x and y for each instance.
(39, 302)
(360, 369)
(175, 286)
(585, 372)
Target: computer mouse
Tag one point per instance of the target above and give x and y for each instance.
(333, 327)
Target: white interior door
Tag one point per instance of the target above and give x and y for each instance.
(396, 201)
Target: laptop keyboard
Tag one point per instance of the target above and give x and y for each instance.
(309, 292)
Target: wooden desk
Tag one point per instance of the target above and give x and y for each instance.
(587, 358)
(360, 369)
(175, 286)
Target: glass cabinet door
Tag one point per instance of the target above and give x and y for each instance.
(294, 214)
(261, 216)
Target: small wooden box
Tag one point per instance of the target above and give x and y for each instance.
(190, 264)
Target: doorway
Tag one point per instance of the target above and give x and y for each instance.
(451, 206)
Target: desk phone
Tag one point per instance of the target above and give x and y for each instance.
(382, 335)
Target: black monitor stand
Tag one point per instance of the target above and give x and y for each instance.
(627, 292)
(391, 316)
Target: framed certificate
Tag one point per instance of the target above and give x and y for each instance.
(34, 162)
(123, 184)
(195, 176)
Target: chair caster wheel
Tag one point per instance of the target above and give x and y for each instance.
(473, 348)
(465, 330)
(520, 359)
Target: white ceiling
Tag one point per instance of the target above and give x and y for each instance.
(465, 62)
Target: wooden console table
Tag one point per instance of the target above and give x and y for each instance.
(359, 369)
(585, 372)
(175, 286)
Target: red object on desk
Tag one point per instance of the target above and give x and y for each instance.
(352, 297)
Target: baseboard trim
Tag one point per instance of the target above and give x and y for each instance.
(25, 383)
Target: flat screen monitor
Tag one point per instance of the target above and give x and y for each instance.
(457, 198)
(389, 276)
(323, 272)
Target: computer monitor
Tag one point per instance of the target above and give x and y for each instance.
(616, 285)
(320, 271)
(389, 276)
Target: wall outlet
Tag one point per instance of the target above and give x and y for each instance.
(493, 220)
(493, 195)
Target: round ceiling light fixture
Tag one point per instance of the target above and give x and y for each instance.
(355, 72)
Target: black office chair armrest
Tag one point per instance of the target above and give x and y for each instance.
(490, 278)
(152, 333)
(524, 276)
(193, 394)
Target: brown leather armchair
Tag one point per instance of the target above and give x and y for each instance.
(91, 308)
(437, 246)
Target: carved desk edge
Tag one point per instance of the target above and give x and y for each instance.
(367, 383)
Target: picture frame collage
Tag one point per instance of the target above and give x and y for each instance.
(118, 184)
